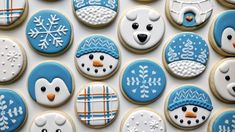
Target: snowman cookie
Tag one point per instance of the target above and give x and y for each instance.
(188, 107)
(97, 105)
(52, 121)
(12, 60)
(186, 55)
(188, 14)
(97, 57)
(143, 120)
(222, 34)
(50, 84)
(227, 3)
(49, 32)
(141, 29)
(96, 13)
(143, 81)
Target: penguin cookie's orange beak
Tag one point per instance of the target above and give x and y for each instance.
(190, 115)
(51, 96)
(234, 44)
(97, 63)
(189, 18)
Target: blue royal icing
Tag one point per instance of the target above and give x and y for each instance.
(191, 23)
(143, 81)
(111, 4)
(49, 32)
(224, 122)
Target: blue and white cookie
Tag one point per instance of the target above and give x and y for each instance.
(97, 57)
(186, 55)
(227, 3)
(50, 84)
(96, 13)
(49, 32)
(143, 81)
(13, 111)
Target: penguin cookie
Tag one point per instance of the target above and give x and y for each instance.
(227, 3)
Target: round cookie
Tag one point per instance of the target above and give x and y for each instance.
(97, 105)
(222, 80)
(143, 120)
(49, 32)
(188, 14)
(50, 84)
(186, 55)
(188, 107)
(222, 34)
(143, 81)
(227, 3)
(97, 57)
(96, 13)
(13, 111)
(52, 121)
(12, 60)
(141, 29)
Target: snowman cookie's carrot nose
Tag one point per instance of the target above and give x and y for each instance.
(190, 115)
(97, 63)
(234, 44)
(51, 96)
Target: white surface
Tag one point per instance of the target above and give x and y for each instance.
(81, 31)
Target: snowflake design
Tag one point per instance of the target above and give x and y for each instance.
(153, 125)
(132, 129)
(12, 56)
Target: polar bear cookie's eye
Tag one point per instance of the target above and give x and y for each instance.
(227, 78)
(149, 27)
(184, 109)
(43, 89)
(229, 37)
(44, 130)
(58, 130)
(57, 89)
(135, 25)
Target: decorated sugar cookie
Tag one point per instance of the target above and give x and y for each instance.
(49, 32)
(97, 57)
(50, 84)
(143, 120)
(96, 13)
(186, 55)
(141, 29)
(143, 81)
(12, 60)
(188, 14)
(188, 107)
(13, 111)
(97, 105)
(228, 3)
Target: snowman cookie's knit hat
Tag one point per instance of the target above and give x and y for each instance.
(98, 44)
(189, 95)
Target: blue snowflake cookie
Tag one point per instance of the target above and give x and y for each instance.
(49, 32)
(143, 81)
(186, 55)
(13, 111)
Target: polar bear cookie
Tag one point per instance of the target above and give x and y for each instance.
(188, 14)
(186, 55)
(96, 13)
(143, 120)
(12, 60)
(141, 29)
(97, 57)
(228, 3)
(97, 105)
(50, 84)
(52, 121)
(49, 32)
(188, 107)
(143, 81)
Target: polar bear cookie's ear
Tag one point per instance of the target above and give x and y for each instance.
(40, 121)
(60, 120)
(131, 15)
(224, 68)
(153, 16)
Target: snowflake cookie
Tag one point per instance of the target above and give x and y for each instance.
(143, 120)
(12, 60)
(188, 107)
(95, 13)
(49, 32)
(13, 111)
(97, 105)
(50, 84)
(143, 81)
(228, 3)
(186, 55)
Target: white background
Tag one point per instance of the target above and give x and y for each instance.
(81, 32)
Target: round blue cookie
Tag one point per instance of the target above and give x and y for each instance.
(143, 81)
(13, 111)
(49, 32)
(50, 84)
(186, 55)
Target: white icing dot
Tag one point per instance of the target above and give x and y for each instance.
(132, 117)
(145, 122)
(142, 114)
(137, 123)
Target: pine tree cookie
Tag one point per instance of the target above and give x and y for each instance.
(227, 3)
(141, 29)
(97, 57)
(50, 84)
(143, 120)
(12, 60)
(49, 33)
(188, 14)
(96, 13)
(188, 107)
(97, 105)
(186, 55)
(143, 81)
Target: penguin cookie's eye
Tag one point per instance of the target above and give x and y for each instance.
(229, 37)
(101, 57)
(149, 27)
(135, 25)
(91, 57)
(57, 89)
(43, 89)
(184, 109)
(58, 130)
(227, 78)
(44, 130)
(195, 109)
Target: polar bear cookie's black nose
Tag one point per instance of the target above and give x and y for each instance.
(233, 89)
(142, 37)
